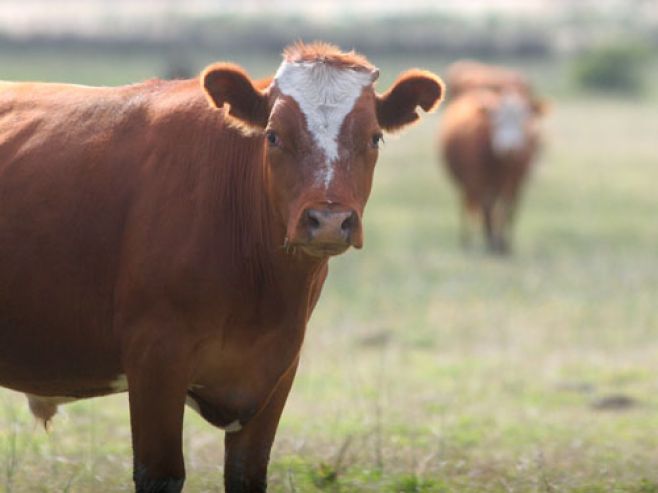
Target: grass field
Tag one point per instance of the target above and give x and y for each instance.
(429, 369)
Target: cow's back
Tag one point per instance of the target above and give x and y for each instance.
(468, 75)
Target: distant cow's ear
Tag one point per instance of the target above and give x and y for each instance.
(396, 108)
(228, 84)
(540, 107)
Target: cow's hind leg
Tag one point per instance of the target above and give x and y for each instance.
(248, 450)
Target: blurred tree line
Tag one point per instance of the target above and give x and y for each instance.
(612, 67)
(598, 46)
(433, 34)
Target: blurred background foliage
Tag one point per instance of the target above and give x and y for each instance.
(614, 66)
(607, 45)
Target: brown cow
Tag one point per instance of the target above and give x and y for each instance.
(464, 75)
(153, 243)
(489, 138)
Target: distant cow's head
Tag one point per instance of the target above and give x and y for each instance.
(322, 124)
(513, 118)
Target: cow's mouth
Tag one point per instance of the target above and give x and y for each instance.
(323, 250)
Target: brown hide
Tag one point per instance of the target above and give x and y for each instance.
(142, 241)
(126, 249)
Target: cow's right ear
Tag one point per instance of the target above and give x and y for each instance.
(228, 84)
(396, 108)
(540, 107)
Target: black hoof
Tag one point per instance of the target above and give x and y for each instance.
(144, 484)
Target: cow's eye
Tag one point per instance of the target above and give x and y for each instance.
(376, 139)
(272, 138)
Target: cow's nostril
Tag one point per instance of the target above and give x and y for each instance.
(313, 221)
(348, 223)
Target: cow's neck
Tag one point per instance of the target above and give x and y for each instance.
(279, 285)
(268, 261)
(287, 260)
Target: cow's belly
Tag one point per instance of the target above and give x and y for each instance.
(53, 361)
(66, 388)
(93, 384)
(44, 407)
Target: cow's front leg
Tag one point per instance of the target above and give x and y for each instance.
(248, 450)
(467, 221)
(157, 384)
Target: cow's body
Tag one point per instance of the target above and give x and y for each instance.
(489, 139)
(107, 216)
(142, 248)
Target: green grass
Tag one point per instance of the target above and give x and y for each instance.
(429, 369)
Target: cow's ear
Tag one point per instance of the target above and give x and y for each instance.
(396, 108)
(229, 85)
(540, 107)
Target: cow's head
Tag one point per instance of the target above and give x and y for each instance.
(513, 118)
(321, 122)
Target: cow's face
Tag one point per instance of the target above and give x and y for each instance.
(321, 122)
(513, 117)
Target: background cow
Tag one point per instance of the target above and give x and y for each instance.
(489, 137)
(150, 242)
(465, 75)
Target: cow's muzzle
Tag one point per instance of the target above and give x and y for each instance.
(325, 231)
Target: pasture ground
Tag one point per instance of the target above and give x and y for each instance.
(430, 369)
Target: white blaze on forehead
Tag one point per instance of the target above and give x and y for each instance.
(508, 122)
(326, 95)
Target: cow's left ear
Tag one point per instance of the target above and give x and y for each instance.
(229, 84)
(396, 108)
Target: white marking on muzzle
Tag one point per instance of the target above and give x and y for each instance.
(326, 95)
